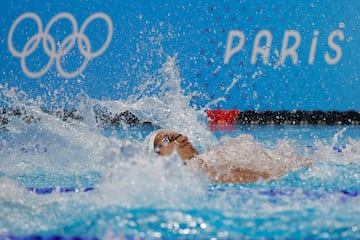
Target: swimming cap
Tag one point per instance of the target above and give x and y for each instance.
(149, 141)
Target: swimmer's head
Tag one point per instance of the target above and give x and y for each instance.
(165, 142)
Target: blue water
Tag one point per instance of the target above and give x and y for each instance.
(100, 182)
(321, 201)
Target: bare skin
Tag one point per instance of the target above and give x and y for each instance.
(166, 142)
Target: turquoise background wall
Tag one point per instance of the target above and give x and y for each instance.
(258, 55)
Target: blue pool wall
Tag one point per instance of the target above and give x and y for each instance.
(255, 55)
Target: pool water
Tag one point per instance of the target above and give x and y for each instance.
(134, 196)
(77, 179)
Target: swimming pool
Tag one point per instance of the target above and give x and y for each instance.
(72, 178)
(65, 176)
(69, 179)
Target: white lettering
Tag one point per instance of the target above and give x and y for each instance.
(291, 51)
(335, 47)
(313, 47)
(264, 50)
(290, 44)
(231, 51)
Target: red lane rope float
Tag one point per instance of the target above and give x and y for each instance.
(222, 117)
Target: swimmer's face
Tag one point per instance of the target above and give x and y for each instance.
(166, 142)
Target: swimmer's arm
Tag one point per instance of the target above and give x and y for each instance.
(230, 174)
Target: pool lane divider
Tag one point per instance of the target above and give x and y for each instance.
(338, 149)
(271, 192)
(218, 117)
(298, 117)
(291, 192)
(53, 237)
(49, 190)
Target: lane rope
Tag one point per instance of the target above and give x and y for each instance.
(49, 190)
(270, 192)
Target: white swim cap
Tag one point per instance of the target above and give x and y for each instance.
(149, 141)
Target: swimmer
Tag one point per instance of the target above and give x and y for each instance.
(223, 164)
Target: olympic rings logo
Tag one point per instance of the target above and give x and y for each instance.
(65, 46)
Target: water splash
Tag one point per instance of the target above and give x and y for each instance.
(64, 148)
(143, 196)
(167, 106)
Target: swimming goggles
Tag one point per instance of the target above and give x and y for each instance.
(166, 140)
